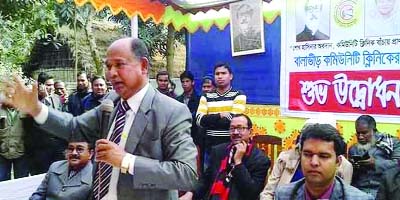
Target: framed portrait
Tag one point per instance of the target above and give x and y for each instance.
(312, 20)
(247, 27)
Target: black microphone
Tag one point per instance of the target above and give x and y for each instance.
(106, 107)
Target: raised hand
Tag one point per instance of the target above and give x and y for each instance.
(20, 96)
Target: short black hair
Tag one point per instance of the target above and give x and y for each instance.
(81, 73)
(162, 73)
(224, 65)
(77, 138)
(368, 120)
(43, 77)
(97, 77)
(186, 74)
(249, 123)
(326, 133)
(58, 81)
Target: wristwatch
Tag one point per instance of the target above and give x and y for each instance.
(125, 164)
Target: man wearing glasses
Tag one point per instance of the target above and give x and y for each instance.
(237, 169)
(71, 178)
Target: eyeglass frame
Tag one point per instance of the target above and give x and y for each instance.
(238, 129)
(79, 150)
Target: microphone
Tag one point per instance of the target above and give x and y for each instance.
(106, 107)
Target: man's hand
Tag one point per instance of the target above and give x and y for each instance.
(240, 151)
(186, 196)
(367, 163)
(21, 97)
(109, 152)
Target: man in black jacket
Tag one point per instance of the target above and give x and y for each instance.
(191, 98)
(237, 169)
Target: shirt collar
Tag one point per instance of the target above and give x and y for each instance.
(135, 100)
(326, 195)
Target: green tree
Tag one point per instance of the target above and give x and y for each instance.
(22, 23)
(158, 38)
(80, 19)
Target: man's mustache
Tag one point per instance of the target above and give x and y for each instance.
(74, 157)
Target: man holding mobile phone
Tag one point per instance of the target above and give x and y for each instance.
(237, 169)
(374, 154)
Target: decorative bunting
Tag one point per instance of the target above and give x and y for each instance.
(161, 13)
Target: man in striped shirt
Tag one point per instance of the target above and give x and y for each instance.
(217, 107)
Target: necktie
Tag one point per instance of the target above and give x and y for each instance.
(104, 171)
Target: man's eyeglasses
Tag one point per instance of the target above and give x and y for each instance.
(238, 129)
(78, 149)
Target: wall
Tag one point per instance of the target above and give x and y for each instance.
(258, 76)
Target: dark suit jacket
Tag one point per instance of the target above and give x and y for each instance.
(306, 35)
(193, 104)
(341, 191)
(390, 185)
(57, 185)
(53, 101)
(159, 137)
(248, 178)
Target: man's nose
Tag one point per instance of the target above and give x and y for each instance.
(111, 71)
(314, 160)
(74, 152)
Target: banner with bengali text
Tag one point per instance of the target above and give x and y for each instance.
(341, 57)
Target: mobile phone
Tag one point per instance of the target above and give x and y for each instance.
(357, 158)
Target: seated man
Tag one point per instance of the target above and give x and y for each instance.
(288, 168)
(374, 154)
(390, 184)
(320, 147)
(71, 178)
(237, 169)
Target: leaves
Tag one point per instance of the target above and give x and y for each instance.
(22, 22)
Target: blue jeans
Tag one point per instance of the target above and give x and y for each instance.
(20, 167)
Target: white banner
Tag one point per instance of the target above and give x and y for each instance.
(341, 57)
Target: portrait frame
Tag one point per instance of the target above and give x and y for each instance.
(247, 38)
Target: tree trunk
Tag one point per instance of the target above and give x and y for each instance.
(98, 68)
(170, 50)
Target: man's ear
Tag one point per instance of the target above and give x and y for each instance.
(91, 153)
(144, 64)
(338, 160)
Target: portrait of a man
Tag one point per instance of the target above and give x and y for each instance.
(312, 19)
(246, 27)
(385, 13)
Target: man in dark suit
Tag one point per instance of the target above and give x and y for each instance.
(42, 148)
(191, 98)
(320, 147)
(237, 169)
(312, 10)
(71, 178)
(75, 99)
(148, 145)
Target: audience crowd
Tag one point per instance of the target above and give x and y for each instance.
(229, 163)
